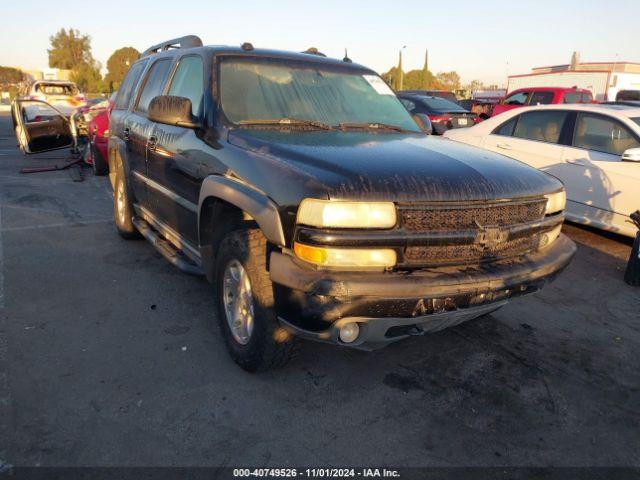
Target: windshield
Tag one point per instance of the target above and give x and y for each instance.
(265, 89)
(442, 105)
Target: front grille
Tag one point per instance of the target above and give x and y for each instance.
(468, 217)
(491, 221)
(468, 253)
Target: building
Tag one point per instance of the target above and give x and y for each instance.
(604, 79)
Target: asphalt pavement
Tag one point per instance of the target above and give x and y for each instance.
(110, 356)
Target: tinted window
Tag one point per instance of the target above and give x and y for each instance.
(541, 98)
(441, 105)
(125, 92)
(594, 132)
(408, 104)
(540, 126)
(517, 99)
(188, 81)
(156, 78)
(506, 128)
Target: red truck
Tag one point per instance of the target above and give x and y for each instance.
(542, 96)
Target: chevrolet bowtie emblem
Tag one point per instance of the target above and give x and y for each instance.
(490, 237)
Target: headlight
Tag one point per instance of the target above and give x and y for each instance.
(339, 214)
(555, 202)
(378, 258)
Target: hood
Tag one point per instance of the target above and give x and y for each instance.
(397, 167)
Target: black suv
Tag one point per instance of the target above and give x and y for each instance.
(306, 193)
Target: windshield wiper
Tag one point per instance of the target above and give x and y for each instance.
(286, 122)
(372, 126)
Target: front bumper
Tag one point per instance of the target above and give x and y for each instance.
(393, 305)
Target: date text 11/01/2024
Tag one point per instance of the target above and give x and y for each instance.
(316, 472)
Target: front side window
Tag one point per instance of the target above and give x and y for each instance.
(269, 89)
(541, 98)
(128, 85)
(506, 129)
(602, 134)
(520, 98)
(188, 82)
(543, 126)
(156, 78)
(637, 120)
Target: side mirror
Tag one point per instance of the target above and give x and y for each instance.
(631, 155)
(423, 122)
(172, 110)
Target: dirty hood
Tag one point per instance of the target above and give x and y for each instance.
(394, 166)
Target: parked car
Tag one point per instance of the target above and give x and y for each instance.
(305, 192)
(432, 93)
(481, 108)
(524, 97)
(96, 149)
(594, 149)
(628, 95)
(442, 113)
(62, 95)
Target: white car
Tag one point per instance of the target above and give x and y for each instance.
(594, 149)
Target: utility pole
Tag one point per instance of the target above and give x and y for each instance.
(400, 72)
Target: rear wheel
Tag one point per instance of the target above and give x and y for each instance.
(123, 208)
(100, 166)
(245, 301)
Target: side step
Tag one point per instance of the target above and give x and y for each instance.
(166, 249)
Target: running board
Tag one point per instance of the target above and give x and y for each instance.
(166, 249)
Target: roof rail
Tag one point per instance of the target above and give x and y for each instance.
(189, 41)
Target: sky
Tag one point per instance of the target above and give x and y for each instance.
(482, 39)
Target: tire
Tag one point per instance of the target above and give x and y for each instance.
(123, 208)
(267, 345)
(100, 167)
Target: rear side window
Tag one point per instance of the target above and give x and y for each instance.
(188, 81)
(541, 98)
(125, 92)
(594, 132)
(408, 104)
(540, 126)
(633, 95)
(156, 79)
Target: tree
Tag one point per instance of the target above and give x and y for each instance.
(88, 78)
(69, 49)
(475, 85)
(118, 65)
(449, 81)
(10, 75)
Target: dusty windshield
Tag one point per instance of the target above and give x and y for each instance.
(265, 89)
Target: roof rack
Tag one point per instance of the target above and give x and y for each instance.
(189, 41)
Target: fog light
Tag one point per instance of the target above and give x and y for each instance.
(349, 332)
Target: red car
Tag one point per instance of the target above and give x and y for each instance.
(95, 153)
(542, 96)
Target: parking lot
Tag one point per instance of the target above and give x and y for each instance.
(111, 356)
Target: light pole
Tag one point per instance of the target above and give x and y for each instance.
(401, 73)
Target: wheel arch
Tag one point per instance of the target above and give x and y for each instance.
(229, 202)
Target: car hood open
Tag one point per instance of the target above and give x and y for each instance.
(395, 166)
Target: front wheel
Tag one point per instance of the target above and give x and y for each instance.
(246, 312)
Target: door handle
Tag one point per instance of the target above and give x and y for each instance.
(126, 133)
(504, 146)
(151, 143)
